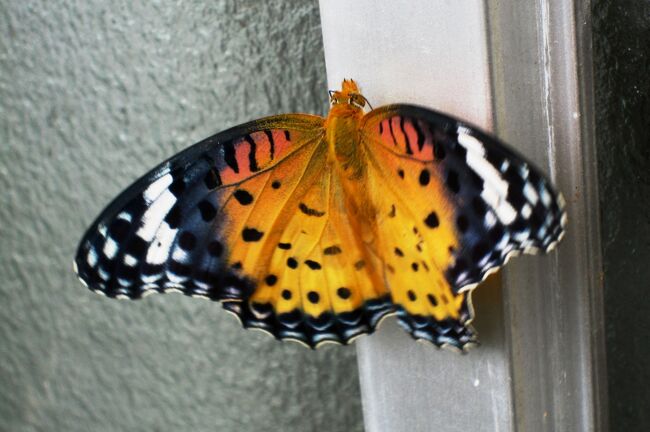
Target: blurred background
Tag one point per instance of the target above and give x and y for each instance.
(93, 94)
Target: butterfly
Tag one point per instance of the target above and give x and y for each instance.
(314, 229)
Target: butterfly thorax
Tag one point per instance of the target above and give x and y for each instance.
(342, 134)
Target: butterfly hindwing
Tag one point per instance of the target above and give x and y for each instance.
(458, 198)
(318, 283)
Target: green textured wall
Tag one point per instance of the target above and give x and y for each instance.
(93, 94)
(622, 63)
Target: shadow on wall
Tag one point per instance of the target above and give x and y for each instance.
(622, 57)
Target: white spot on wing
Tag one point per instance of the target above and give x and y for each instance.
(155, 214)
(521, 236)
(530, 193)
(175, 278)
(91, 258)
(158, 252)
(123, 282)
(542, 232)
(156, 188)
(470, 143)
(488, 173)
(546, 196)
(103, 274)
(126, 216)
(110, 248)
(180, 255)
(130, 260)
(505, 212)
(490, 219)
(495, 189)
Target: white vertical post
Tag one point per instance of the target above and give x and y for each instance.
(434, 54)
(554, 319)
(524, 68)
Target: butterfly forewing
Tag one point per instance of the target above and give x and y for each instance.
(459, 199)
(168, 231)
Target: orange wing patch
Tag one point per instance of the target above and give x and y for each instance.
(316, 282)
(416, 237)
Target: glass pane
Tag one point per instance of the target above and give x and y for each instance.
(93, 94)
(622, 58)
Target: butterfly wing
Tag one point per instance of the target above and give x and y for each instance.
(457, 204)
(167, 230)
(252, 217)
(319, 283)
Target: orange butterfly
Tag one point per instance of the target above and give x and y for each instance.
(314, 229)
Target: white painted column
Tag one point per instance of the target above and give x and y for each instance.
(434, 54)
(523, 67)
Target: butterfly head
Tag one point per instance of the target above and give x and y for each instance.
(349, 95)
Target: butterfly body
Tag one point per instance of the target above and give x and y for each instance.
(314, 229)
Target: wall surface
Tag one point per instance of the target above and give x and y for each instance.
(622, 59)
(92, 94)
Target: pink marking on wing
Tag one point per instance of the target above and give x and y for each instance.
(412, 136)
(397, 132)
(242, 151)
(262, 149)
(282, 145)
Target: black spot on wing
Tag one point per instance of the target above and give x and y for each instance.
(332, 250)
(208, 211)
(187, 241)
(309, 211)
(425, 177)
(212, 179)
(314, 265)
(174, 217)
(313, 297)
(432, 220)
(229, 156)
(251, 234)
(243, 197)
(453, 182)
(343, 293)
